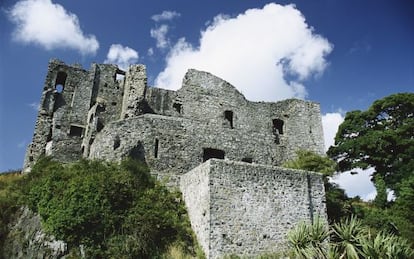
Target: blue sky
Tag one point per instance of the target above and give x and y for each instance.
(342, 54)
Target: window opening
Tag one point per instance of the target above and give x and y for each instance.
(247, 160)
(228, 116)
(212, 153)
(75, 131)
(119, 75)
(156, 144)
(49, 135)
(117, 142)
(278, 126)
(60, 81)
(177, 107)
(99, 125)
(137, 152)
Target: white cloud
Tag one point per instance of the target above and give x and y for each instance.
(160, 35)
(357, 184)
(330, 124)
(49, 25)
(255, 52)
(165, 16)
(121, 56)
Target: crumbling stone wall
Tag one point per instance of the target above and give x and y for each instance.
(247, 209)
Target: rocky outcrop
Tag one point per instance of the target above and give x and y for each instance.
(27, 239)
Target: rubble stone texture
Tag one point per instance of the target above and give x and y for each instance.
(106, 113)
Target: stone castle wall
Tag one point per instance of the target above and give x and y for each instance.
(246, 209)
(106, 113)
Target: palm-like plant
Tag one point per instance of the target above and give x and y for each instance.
(309, 241)
(349, 239)
(385, 245)
(347, 236)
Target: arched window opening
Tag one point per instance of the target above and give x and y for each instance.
(60, 81)
(212, 153)
(228, 116)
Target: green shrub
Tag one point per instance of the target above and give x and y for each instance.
(113, 210)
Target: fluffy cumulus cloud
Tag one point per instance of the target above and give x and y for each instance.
(266, 53)
(165, 16)
(121, 56)
(49, 25)
(358, 184)
(160, 35)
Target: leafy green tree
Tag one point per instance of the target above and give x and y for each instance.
(310, 161)
(381, 198)
(381, 137)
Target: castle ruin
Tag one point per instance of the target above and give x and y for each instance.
(220, 149)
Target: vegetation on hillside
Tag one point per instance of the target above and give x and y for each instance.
(111, 209)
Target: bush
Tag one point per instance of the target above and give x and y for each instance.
(111, 209)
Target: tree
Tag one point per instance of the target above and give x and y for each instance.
(381, 137)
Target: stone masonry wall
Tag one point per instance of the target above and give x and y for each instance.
(235, 207)
(246, 209)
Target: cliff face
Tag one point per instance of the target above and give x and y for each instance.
(27, 239)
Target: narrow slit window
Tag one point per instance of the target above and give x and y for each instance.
(228, 116)
(117, 142)
(156, 144)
